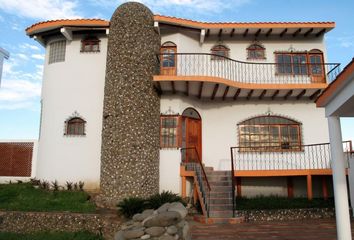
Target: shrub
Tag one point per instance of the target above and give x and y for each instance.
(130, 206)
(157, 200)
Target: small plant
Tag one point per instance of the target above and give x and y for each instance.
(75, 186)
(55, 186)
(130, 206)
(157, 200)
(69, 186)
(35, 181)
(19, 181)
(44, 185)
(81, 186)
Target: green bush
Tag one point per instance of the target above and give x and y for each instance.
(158, 199)
(50, 236)
(130, 206)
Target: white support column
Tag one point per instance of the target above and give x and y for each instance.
(339, 180)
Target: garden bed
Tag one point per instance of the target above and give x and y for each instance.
(50, 236)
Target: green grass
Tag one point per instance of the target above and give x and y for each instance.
(50, 236)
(24, 197)
(274, 202)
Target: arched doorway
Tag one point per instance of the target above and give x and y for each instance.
(192, 134)
(168, 58)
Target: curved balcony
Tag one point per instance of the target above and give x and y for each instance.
(222, 77)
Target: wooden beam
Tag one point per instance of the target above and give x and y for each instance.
(67, 34)
(184, 187)
(158, 88)
(308, 32)
(288, 94)
(216, 87)
(290, 186)
(202, 36)
(275, 94)
(220, 32)
(296, 32)
(237, 93)
(302, 93)
(207, 33)
(249, 95)
(187, 88)
(173, 87)
(262, 94)
(156, 27)
(320, 32)
(239, 187)
(315, 94)
(225, 93)
(257, 33)
(324, 188)
(200, 90)
(232, 32)
(309, 187)
(269, 32)
(245, 33)
(283, 32)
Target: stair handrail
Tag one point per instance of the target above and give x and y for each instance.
(233, 184)
(203, 171)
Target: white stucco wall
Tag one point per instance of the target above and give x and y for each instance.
(77, 84)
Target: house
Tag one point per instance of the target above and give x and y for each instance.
(3, 55)
(133, 105)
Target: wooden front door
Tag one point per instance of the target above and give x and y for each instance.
(193, 139)
(168, 60)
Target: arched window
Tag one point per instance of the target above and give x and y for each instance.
(316, 62)
(75, 126)
(255, 51)
(168, 58)
(90, 44)
(269, 133)
(219, 52)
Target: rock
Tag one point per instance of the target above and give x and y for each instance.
(172, 230)
(130, 234)
(186, 232)
(119, 236)
(166, 237)
(181, 224)
(155, 231)
(163, 219)
(137, 216)
(178, 207)
(141, 216)
(176, 237)
(163, 208)
(146, 236)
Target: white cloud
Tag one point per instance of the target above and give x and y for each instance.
(22, 56)
(38, 56)
(199, 6)
(41, 9)
(29, 46)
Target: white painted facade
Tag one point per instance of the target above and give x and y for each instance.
(75, 85)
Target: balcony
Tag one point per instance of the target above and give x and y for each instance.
(216, 77)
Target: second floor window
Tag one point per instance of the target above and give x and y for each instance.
(219, 52)
(269, 133)
(90, 44)
(255, 51)
(57, 51)
(75, 126)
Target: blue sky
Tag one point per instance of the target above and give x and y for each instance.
(22, 76)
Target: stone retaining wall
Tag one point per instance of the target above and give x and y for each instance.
(26, 222)
(286, 214)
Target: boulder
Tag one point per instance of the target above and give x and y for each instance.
(178, 207)
(131, 234)
(186, 232)
(172, 230)
(141, 216)
(163, 208)
(119, 236)
(146, 236)
(166, 237)
(163, 219)
(155, 231)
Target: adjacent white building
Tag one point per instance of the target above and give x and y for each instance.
(3, 55)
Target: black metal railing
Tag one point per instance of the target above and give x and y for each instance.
(191, 160)
(313, 156)
(211, 65)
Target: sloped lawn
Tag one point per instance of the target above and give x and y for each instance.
(24, 197)
(50, 236)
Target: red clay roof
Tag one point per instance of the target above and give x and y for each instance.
(52, 24)
(340, 80)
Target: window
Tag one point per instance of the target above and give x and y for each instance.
(75, 126)
(300, 63)
(169, 131)
(57, 51)
(255, 51)
(90, 44)
(269, 133)
(219, 52)
(168, 58)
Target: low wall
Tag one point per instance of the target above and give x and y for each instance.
(285, 214)
(26, 222)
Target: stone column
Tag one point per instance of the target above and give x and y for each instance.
(131, 114)
(339, 180)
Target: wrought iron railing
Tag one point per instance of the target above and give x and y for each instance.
(313, 156)
(211, 65)
(191, 159)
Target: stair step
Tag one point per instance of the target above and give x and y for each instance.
(219, 173)
(221, 189)
(220, 201)
(220, 207)
(219, 178)
(220, 183)
(220, 214)
(220, 194)
(231, 220)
